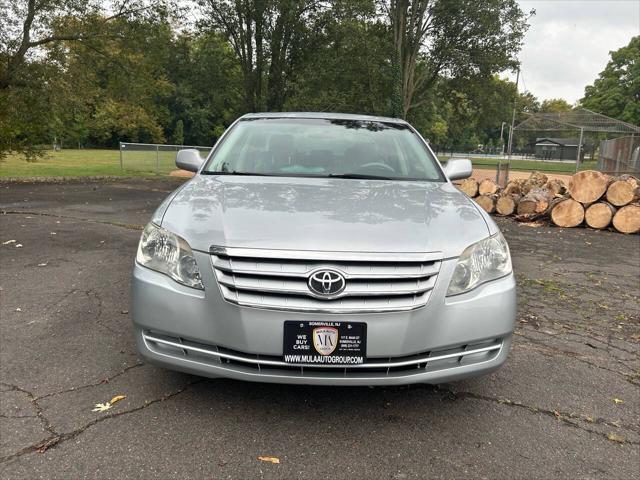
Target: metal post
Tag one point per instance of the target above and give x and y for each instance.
(513, 122)
(579, 148)
(120, 146)
(502, 138)
(157, 158)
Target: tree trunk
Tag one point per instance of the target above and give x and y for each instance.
(487, 187)
(588, 186)
(567, 213)
(599, 215)
(627, 219)
(622, 191)
(536, 201)
(469, 186)
(487, 202)
(507, 204)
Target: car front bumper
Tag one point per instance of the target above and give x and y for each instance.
(199, 332)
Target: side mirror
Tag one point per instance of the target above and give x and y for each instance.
(189, 159)
(458, 168)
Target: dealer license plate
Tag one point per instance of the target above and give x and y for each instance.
(325, 343)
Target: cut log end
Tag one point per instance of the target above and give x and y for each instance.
(567, 213)
(534, 202)
(506, 204)
(588, 186)
(621, 192)
(486, 202)
(599, 215)
(469, 186)
(627, 219)
(487, 187)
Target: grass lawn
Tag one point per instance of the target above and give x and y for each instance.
(69, 163)
(531, 165)
(86, 162)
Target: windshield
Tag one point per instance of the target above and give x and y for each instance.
(324, 148)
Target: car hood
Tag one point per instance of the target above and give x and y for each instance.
(324, 214)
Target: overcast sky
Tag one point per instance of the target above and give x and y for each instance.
(569, 41)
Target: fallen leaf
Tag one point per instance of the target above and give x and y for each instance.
(8, 242)
(615, 438)
(269, 459)
(589, 419)
(117, 398)
(101, 407)
(617, 401)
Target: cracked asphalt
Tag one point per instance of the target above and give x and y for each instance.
(565, 405)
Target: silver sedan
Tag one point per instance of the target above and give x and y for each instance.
(323, 249)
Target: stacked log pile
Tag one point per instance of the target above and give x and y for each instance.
(591, 199)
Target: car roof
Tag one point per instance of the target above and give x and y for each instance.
(323, 115)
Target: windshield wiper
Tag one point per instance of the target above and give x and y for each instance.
(360, 176)
(235, 172)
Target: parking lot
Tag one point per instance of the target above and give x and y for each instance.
(566, 404)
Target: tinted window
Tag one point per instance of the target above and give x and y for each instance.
(322, 147)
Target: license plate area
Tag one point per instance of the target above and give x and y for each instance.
(325, 343)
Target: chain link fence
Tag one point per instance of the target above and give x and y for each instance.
(620, 155)
(152, 157)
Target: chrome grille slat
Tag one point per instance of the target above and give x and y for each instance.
(278, 279)
(298, 286)
(243, 267)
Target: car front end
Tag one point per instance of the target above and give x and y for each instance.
(330, 281)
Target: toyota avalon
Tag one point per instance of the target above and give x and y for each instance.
(323, 249)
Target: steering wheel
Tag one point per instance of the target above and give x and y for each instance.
(373, 167)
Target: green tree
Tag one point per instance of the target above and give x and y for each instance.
(339, 77)
(269, 38)
(33, 38)
(554, 105)
(616, 91)
(457, 39)
(178, 133)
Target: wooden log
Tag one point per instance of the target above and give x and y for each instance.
(622, 191)
(507, 204)
(536, 201)
(557, 187)
(627, 219)
(537, 179)
(588, 186)
(469, 186)
(567, 213)
(487, 202)
(599, 215)
(487, 187)
(514, 187)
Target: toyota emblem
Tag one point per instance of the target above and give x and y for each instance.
(326, 283)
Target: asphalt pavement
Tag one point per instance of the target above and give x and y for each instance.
(565, 405)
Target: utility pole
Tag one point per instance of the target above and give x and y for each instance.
(513, 117)
(510, 145)
(502, 138)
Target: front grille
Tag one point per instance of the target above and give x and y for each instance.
(456, 356)
(277, 279)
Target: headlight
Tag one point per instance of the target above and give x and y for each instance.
(481, 262)
(167, 253)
